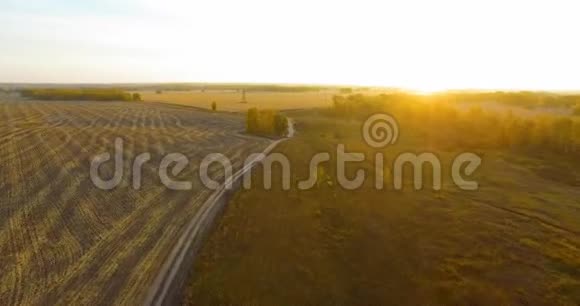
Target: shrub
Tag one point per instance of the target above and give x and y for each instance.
(280, 124)
(266, 122)
(213, 106)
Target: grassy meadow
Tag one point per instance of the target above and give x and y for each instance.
(515, 241)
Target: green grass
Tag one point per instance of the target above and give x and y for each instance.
(515, 241)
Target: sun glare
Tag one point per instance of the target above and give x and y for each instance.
(446, 44)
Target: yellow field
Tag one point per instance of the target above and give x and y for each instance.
(64, 241)
(515, 241)
(231, 100)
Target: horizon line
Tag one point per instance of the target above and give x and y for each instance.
(290, 84)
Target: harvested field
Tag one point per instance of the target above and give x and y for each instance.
(231, 100)
(62, 240)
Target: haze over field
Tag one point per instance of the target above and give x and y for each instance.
(269, 152)
(421, 45)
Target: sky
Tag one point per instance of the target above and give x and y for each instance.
(420, 45)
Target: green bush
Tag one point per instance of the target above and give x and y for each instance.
(266, 122)
(280, 124)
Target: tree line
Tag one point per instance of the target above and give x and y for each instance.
(443, 123)
(80, 94)
(527, 99)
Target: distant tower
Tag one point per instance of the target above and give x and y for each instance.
(244, 96)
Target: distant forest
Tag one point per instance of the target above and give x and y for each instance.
(237, 87)
(79, 94)
(444, 123)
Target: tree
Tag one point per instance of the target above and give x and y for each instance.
(280, 125)
(137, 97)
(576, 110)
(213, 106)
(562, 131)
(252, 120)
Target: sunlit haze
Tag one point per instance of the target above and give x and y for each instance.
(422, 45)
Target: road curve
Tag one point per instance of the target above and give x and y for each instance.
(167, 286)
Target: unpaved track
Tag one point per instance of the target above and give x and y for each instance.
(63, 241)
(168, 286)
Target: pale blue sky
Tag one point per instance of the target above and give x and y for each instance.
(72, 7)
(426, 45)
